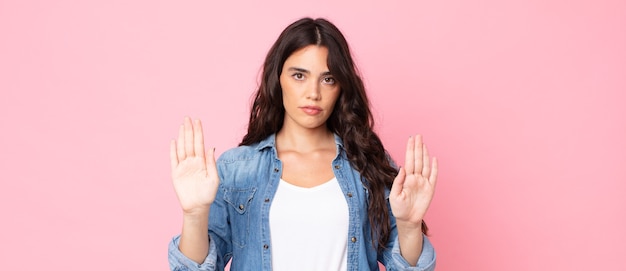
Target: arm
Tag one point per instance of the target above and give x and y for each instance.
(194, 237)
(195, 179)
(393, 259)
(410, 196)
(410, 239)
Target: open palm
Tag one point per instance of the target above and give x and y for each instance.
(194, 173)
(414, 187)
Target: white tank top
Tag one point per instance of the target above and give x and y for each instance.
(309, 227)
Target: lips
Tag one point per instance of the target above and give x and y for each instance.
(311, 110)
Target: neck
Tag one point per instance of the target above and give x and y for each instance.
(304, 140)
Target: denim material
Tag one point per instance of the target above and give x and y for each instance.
(239, 217)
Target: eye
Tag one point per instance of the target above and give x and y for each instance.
(328, 80)
(298, 76)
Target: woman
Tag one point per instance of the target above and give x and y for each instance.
(310, 187)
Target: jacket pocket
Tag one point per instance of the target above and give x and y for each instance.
(239, 200)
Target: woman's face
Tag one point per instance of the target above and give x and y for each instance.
(309, 90)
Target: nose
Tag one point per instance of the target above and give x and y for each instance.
(313, 91)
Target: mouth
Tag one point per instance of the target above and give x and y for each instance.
(311, 110)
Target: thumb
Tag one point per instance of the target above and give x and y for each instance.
(398, 182)
(210, 161)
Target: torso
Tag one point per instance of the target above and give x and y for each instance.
(251, 178)
(308, 227)
(309, 199)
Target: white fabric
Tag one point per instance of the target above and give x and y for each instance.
(322, 213)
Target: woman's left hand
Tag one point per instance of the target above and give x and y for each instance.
(414, 187)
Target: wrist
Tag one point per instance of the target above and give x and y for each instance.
(197, 213)
(409, 228)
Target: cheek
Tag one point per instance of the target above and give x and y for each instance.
(334, 94)
(287, 84)
(281, 81)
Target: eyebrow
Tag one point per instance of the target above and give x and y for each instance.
(306, 71)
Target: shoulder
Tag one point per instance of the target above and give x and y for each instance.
(236, 153)
(241, 153)
(246, 152)
(244, 166)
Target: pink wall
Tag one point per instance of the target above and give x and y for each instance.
(522, 101)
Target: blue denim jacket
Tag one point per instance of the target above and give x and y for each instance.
(239, 217)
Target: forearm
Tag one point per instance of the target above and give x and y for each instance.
(410, 239)
(194, 239)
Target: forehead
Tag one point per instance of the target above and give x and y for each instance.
(311, 56)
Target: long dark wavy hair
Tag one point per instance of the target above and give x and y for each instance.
(351, 118)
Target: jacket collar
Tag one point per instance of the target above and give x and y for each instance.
(270, 142)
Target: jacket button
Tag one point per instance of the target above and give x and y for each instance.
(276, 169)
(337, 166)
(266, 246)
(267, 199)
(353, 239)
(241, 207)
(349, 195)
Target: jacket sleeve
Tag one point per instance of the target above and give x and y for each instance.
(179, 262)
(393, 260)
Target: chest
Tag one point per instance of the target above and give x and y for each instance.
(307, 170)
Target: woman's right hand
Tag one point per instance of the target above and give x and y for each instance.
(194, 172)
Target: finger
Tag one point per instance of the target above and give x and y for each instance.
(410, 156)
(398, 182)
(418, 154)
(198, 138)
(188, 137)
(180, 147)
(434, 170)
(426, 169)
(173, 156)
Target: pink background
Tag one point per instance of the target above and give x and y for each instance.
(523, 102)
